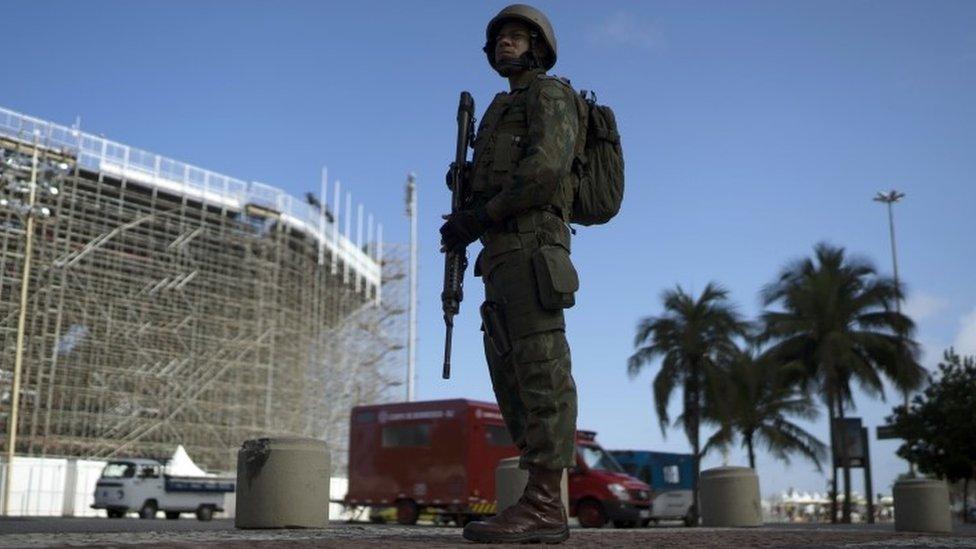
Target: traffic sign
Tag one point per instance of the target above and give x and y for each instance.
(885, 432)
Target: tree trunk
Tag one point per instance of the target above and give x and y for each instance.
(752, 455)
(833, 463)
(965, 500)
(845, 464)
(693, 427)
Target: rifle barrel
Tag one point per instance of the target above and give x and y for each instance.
(446, 374)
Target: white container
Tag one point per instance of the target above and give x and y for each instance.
(510, 482)
(922, 505)
(283, 483)
(730, 497)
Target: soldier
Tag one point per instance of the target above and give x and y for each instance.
(521, 178)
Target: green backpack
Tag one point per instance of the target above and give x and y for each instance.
(599, 165)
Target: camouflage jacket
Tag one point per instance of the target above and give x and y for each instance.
(524, 148)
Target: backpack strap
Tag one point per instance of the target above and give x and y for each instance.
(602, 125)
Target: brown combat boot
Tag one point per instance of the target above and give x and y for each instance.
(539, 515)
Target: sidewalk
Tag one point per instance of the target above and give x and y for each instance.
(389, 537)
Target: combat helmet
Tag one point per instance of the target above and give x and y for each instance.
(530, 16)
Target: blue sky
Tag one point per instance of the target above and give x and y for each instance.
(752, 130)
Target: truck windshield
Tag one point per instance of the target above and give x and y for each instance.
(119, 470)
(597, 458)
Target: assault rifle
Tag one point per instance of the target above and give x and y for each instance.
(455, 263)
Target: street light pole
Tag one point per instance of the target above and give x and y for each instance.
(412, 327)
(890, 198)
(21, 325)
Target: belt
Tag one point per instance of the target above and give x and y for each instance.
(527, 222)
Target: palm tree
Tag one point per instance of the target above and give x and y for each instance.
(693, 337)
(757, 397)
(837, 320)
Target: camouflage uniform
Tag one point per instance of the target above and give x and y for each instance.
(521, 173)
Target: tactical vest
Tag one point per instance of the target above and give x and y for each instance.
(498, 143)
(501, 143)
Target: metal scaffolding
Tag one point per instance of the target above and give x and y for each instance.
(173, 305)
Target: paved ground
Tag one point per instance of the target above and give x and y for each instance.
(221, 534)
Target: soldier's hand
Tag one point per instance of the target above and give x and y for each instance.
(465, 170)
(463, 228)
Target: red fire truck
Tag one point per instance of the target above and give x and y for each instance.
(440, 457)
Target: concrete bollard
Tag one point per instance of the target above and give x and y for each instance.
(922, 505)
(510, 482)
(730, 497)
(283, 483)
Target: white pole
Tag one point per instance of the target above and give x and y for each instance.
(322, 194)
(359, 241)
(379, 260)
(345, 263)
(370, 244)
(412, 327)
(336, 203)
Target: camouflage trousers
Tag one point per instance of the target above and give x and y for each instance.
(526, 349)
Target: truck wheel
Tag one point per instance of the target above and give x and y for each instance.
(115, 513)
(590, 514)
(172, 515)
(407, 512)
(148, 510)
(204, 513)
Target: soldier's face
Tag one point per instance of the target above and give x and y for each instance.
(512, 41)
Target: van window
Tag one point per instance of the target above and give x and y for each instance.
(597, 458)
(119, 470)
(497, 435)
(367, 416)
(671, 474)
(149, 471)
(395, 436)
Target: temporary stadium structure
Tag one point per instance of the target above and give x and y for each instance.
(168, 304)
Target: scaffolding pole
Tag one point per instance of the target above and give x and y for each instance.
(21, 324)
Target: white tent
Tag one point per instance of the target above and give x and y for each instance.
(180, 465)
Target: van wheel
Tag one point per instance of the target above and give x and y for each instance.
(407, 512)
(172, 515)
(204, 513)
(590, 514)
(148, 510)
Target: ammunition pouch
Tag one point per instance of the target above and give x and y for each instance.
(556, 277)
(493, 324)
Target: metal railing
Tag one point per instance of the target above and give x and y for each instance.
(98, 154)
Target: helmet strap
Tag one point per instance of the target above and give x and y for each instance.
(508, 67)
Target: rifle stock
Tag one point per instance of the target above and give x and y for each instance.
(455, 263)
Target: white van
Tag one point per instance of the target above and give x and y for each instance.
(143, 486)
